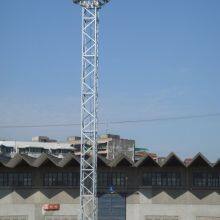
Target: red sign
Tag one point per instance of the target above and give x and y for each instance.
(51, 207)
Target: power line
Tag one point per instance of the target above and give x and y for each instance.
(174, 118)
(167, 118)
(40, 126)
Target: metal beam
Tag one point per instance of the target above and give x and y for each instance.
(89, 102)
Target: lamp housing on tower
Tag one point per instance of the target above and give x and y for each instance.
(91, 3)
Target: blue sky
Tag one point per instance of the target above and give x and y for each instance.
(157, 59)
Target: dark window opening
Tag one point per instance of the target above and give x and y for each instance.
(15, 179)
(106, 179)
(205, 179)
(61, 179)
(167, 179)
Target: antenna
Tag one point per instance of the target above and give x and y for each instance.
(89, 104)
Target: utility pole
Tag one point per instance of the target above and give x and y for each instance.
(89, 104)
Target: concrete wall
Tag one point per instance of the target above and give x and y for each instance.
(29, 203)
(141, 205)
(148, 205)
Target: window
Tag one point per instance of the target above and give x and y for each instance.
(61, 179)
(168, 179)
(3, 179)
(106, 179)
(15, 179)
(206, 179)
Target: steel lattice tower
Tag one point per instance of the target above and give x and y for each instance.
(89, 103)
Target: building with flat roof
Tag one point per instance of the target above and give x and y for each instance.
(109, 146)
(47, 188)
(35, 148)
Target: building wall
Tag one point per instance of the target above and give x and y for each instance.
(118, 146)
(142, 203)
(30, 203)
(163, 206)
(139, 205)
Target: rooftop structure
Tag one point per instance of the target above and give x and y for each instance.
(43, 139)
(172, 160)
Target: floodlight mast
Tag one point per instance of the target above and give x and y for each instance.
(89, 103)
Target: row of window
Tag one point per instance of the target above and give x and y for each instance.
(61, 179)
(170, 179)
(205, 179)
(15, 179)
(107, 179)
(72, 179)
(111, 179)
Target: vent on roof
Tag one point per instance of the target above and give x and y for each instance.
(113, 136)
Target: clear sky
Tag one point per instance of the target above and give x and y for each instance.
(158, 58)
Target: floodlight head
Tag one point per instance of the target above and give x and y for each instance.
(91, 3)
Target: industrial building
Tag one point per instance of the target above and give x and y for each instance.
(47, 188)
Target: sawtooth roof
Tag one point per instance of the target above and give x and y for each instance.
(146, 161)
(173, 160)
(200, 161)
(120, 161)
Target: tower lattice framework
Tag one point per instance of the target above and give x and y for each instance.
(89, 104)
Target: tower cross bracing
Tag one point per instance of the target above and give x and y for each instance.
(89, 104)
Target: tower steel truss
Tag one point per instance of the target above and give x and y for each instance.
(89, 103)
(89, 113)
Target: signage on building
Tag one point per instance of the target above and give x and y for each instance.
(51, 207)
